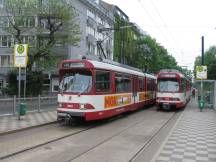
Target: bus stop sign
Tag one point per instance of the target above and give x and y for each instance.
(20, 55)
(201, 72)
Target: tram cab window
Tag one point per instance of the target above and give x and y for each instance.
(76, 83)
(168, 85)
(103, 81)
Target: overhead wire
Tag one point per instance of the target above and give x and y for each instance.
(167, 29)
(173, 42)
(152, 19)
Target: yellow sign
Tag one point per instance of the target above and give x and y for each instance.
(117, 100)
(20, 55)
(201, 72)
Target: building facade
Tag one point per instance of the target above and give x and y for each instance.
(92, 16)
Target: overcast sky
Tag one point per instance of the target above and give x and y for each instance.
(176, 24)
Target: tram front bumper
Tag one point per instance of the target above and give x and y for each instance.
(64, 114)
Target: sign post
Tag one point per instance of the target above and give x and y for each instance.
(201, 73)
(20, 60)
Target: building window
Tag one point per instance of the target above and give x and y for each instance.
(1, 3)
(1, 84)
(103, 81)
(4, 22)
(90, 31)
(29, 22)
(91, 48)
(5, 61)
(90, 14)
(5, 41)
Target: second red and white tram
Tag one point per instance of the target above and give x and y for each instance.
(94, 90)
(173, 89)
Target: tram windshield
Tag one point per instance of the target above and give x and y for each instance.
(76, 83)
(168, 85)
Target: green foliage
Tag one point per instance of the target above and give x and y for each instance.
(138, 51)
(209, 61)
(57, 24)
(150, 55)
(33, 85)
(123, 40)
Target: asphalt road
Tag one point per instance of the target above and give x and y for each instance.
(114, 140)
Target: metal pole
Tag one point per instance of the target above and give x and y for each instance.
(202, 97)
(39, 103)
(24, 95)
(214, 96)
(19, 90)
(201, 90)
(14, 106)
(202, 50)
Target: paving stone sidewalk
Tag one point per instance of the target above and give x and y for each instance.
(193, 139)
(11, 123)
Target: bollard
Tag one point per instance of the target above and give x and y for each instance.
(201, 104)
(22, 110)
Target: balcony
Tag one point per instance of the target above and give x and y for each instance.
(91, 39)
(91, 22)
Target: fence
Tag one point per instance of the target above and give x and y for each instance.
(9, 106)
(209, 92)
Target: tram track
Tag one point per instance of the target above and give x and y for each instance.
(92, 125)
(92, 146)
(167, 125)
(45, 143)
(102, 142)
(117, 134)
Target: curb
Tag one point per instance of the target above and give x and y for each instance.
(26, 128)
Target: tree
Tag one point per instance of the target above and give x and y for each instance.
(209, 61)
(43, 24)
(151, 56)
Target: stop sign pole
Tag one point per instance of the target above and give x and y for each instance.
(20, 60)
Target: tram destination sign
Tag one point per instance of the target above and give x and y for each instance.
(73, 65)
(201, 72)
(167, 75)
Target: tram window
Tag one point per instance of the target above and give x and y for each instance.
(127, 83)
(118, 83)
(141, 84)
(102, 81)
(148, 84)
(123, 83)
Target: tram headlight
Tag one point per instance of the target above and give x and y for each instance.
(86, 106)
(82, 106)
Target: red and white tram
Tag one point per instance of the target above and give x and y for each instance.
(173, 89)
(94, 90)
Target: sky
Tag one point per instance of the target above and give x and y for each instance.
(178, 25)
